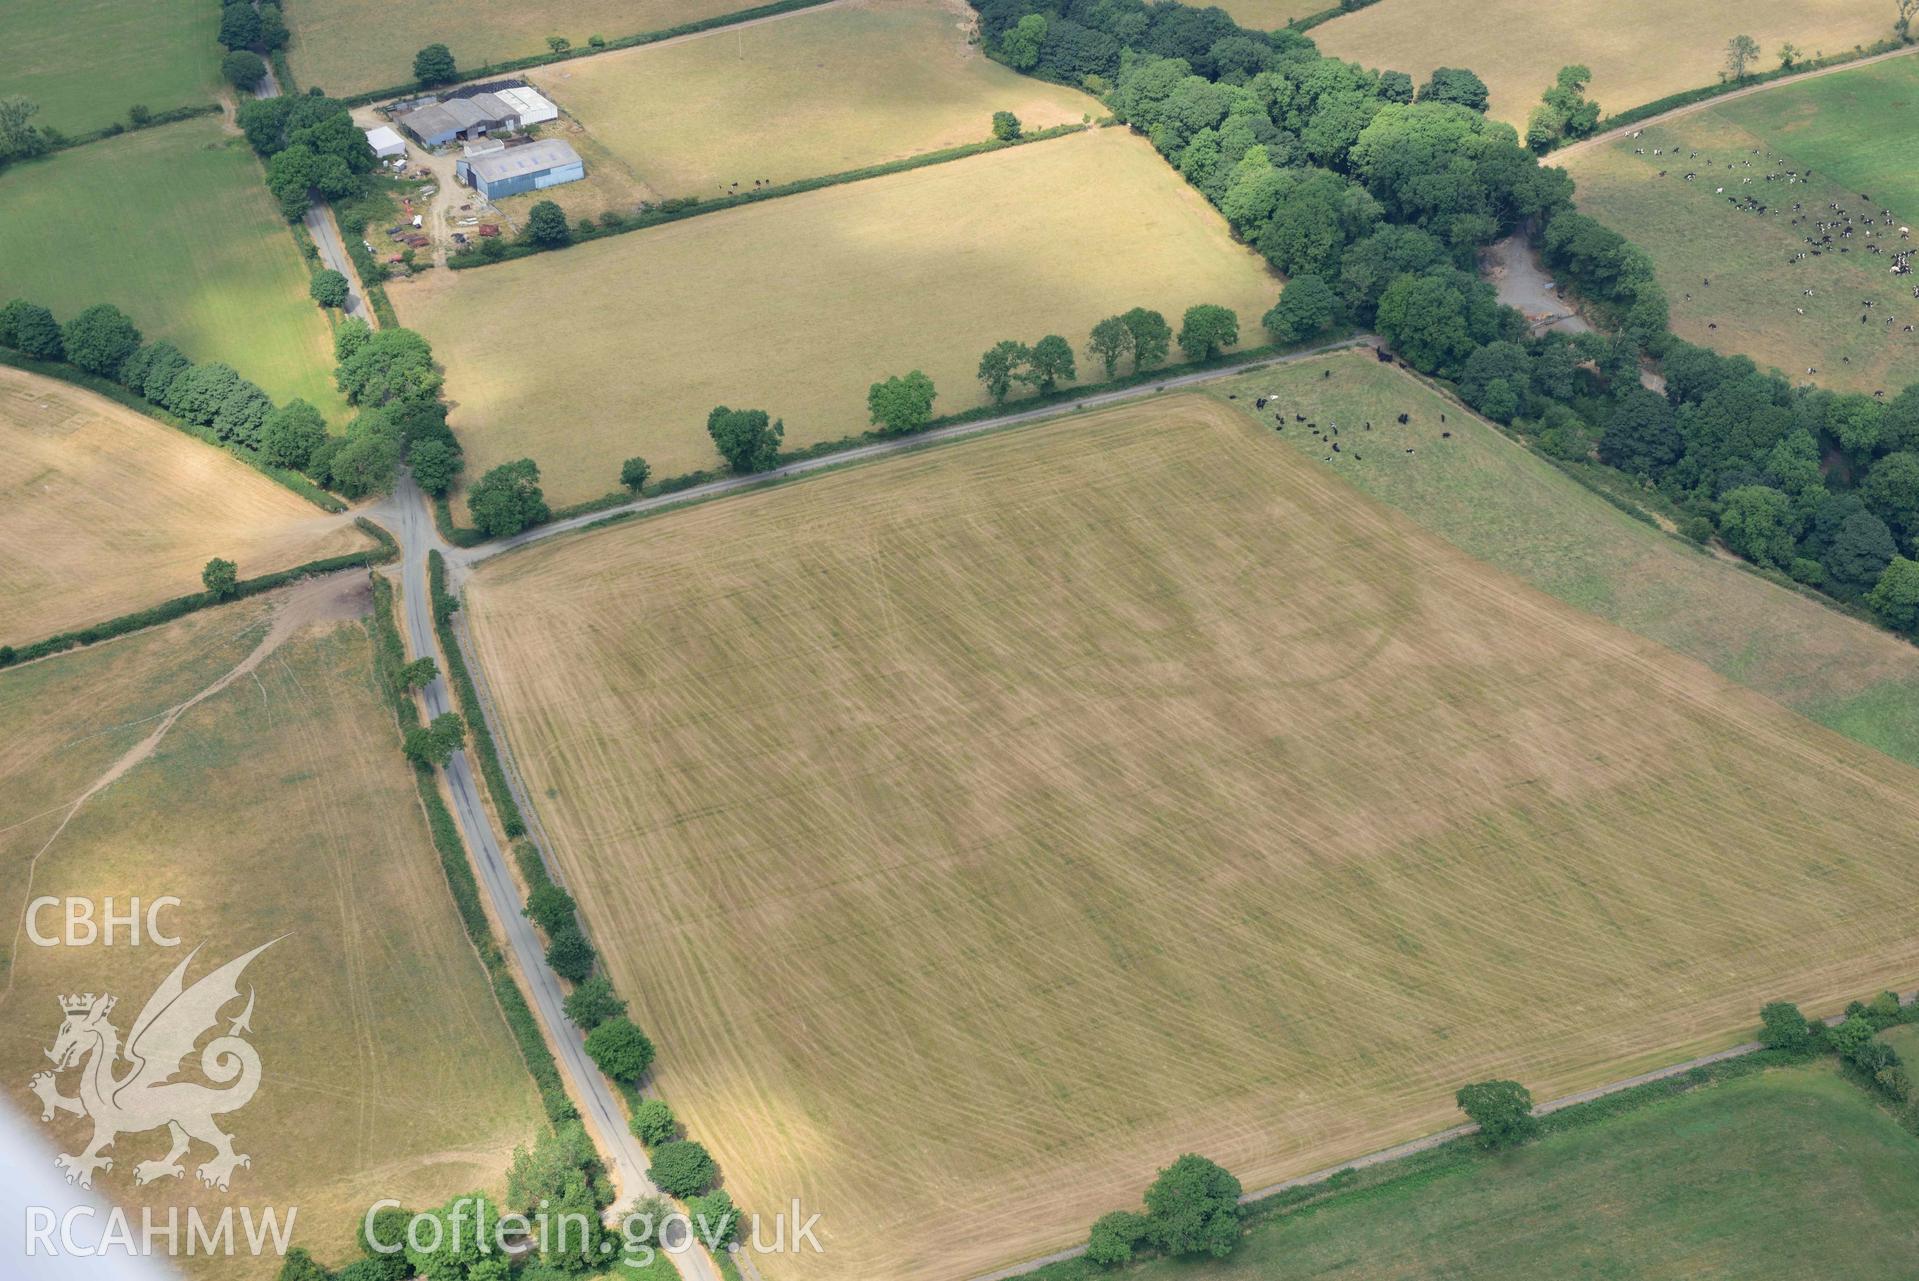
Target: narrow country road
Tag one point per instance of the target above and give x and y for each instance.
(405, 513)
(320, 225)
(1664, 117)
(463, 558)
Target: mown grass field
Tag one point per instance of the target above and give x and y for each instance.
(1507, 507)
(1639, 50)
(797, 305)
(1786, 1174)
(119, 512)
(175, 227)
(278, 806)
(1838, 128)
(822, 92)
(998, 822)
(86, 61)
(350, 46)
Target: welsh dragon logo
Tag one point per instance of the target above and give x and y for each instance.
(144, 1095)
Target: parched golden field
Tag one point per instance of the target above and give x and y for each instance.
(1757, 305)
(278, 807)
(120, 512)
(979, 830)
(352, 46)
(824, 91)
(797, 305)
(1638, 50)
(1270, 15)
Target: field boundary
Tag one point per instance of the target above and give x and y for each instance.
(384, 550)
(444, 604)
(531, 60)
(1444, 1150)
(113, 391)
(684, 207)
(172, 115)
(700, 486)
(1677, 104)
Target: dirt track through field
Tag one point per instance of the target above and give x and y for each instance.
(313, 601)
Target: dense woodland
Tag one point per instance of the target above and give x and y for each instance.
(1374, 197)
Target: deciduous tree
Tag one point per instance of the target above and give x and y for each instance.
(433, 65)
(221, 577)
(1193, 1208)
(1501, 1109)
(100, 339)
(508, 499)
(624, 1053)
(901, 403)
(745, 438)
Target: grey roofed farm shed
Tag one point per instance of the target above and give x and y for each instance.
(456, 118)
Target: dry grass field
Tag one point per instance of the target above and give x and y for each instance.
(1269, 15)
(1504, 505)
(821, 92)
(1638, 50)
(979, 830)
(350, 46)
(797, 305)
(278, 806)
(110, 511)
(1841, 129)
(175, 227)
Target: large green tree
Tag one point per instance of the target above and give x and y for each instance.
(1000, 366)
(621, 1051)
(1503, 1111)
(1206, 330)
(100, 339)
(1193, 1208)
(434, 65)
(1151, 337)
(745, 438)
(508, 499)
(901, 403)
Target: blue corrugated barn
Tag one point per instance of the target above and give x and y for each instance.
(512, 171)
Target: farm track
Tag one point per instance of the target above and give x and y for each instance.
(1665, 117)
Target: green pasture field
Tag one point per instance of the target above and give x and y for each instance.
(277, 807)
(797, 305)
(175, 227)
(978, 830)
(1506, 506)
(86, 61)
(351, 46)
(1784, 1174)
(1843, 129)
(1638, 50)
(824, 91)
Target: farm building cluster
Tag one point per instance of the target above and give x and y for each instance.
(489, 122)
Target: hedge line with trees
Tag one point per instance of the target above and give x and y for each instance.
(391, 667)
(1377, 198)
(453, 73)
(612, 223)
(461, 681)
(211, 401)
(617, 1046)
(220, 588)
